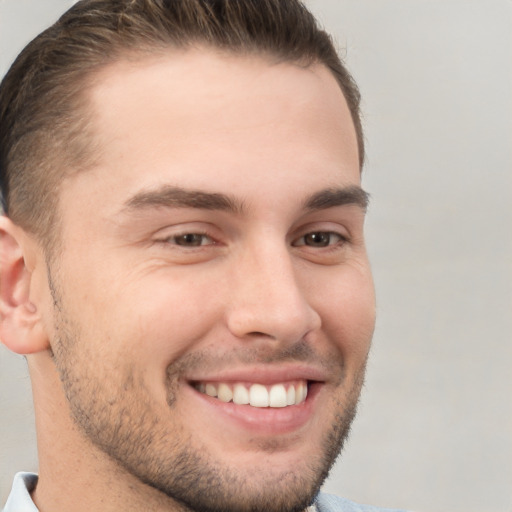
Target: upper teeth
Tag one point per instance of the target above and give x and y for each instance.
(257, 395)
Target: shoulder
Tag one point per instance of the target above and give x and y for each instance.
(330, 503)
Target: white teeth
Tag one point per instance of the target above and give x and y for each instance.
(258, 395)
(298, 393)
(211, 390)
(290, 396)
(240, 394)
(277, 396)
(225, 394)
(301, 393)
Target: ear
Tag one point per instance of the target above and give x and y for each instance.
(21, 326)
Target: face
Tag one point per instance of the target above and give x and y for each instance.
(213, 304)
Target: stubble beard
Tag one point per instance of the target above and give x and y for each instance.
(163, 456)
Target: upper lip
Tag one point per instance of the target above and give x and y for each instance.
(268, 374)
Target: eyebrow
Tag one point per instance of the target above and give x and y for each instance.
(176, 197)
(331, 197)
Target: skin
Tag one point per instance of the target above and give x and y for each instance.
(257, 162)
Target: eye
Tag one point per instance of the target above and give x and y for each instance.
(320, 239)
(190, 240)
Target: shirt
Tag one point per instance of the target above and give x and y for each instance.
(24, 483)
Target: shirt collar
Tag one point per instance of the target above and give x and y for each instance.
(19, 500)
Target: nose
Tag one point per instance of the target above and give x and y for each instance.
(268, 299)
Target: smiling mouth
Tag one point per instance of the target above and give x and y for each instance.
(277, 395)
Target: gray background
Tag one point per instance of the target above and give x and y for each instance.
(434, 431)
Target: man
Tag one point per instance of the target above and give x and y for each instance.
(182, 257)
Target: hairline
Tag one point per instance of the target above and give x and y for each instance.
(82, 112)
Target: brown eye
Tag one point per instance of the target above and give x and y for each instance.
(191, 240)
(319, 239)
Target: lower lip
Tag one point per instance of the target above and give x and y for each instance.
(261, 420)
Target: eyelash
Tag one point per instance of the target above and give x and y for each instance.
(173, 240)
(300, 242)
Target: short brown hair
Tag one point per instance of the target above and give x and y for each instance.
(44, 129)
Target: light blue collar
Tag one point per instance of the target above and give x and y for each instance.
(19, 500)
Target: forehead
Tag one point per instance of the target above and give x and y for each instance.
(203, 119)
(200, 80)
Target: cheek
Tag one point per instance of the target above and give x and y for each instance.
(347, 307)
(163, 317)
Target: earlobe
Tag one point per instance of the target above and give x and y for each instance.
(21, 328)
